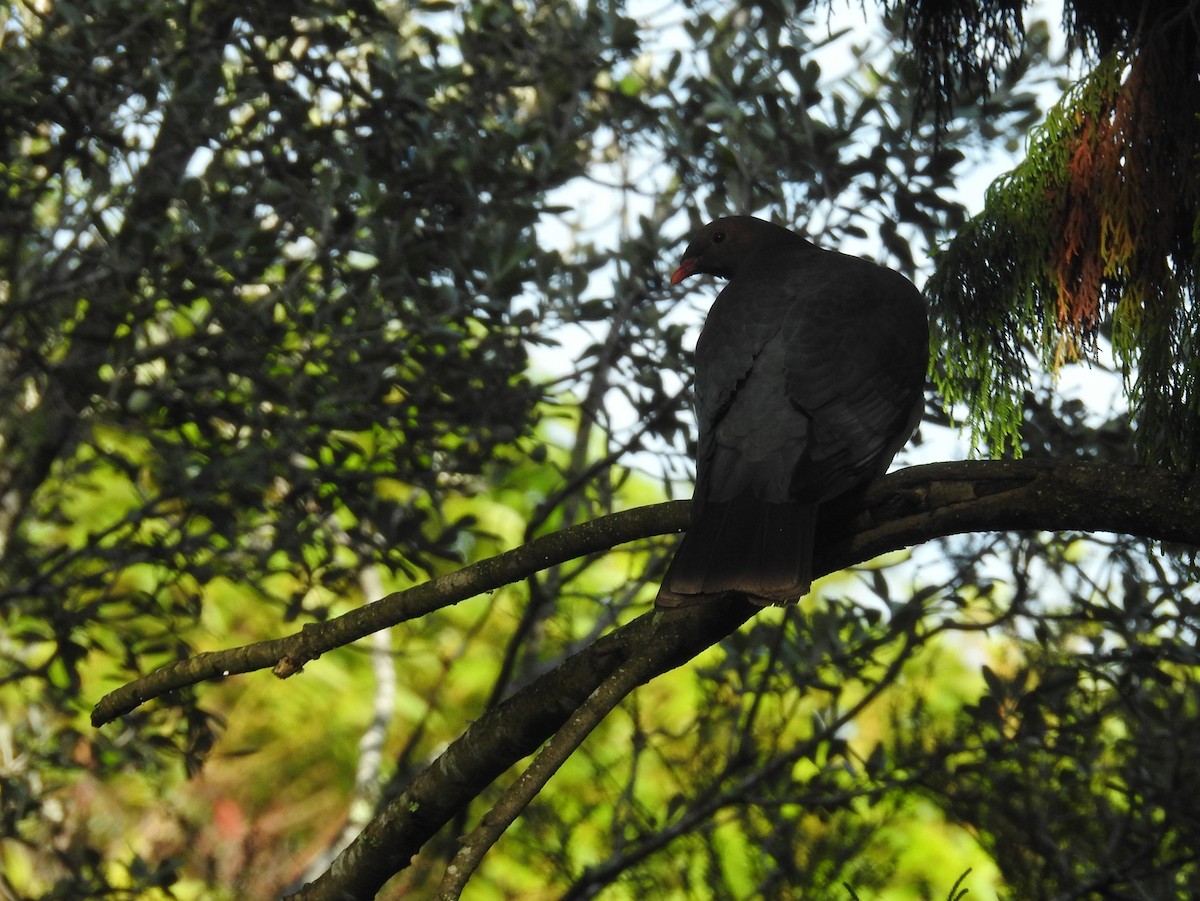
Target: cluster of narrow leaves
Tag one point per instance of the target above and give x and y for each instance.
(1092, 238)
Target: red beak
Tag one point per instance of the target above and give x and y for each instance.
(686, 267)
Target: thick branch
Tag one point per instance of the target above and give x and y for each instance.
(921, 503)
(902, 509)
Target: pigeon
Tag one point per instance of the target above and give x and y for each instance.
(810, 376)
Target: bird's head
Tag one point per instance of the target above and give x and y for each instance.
(722, 246)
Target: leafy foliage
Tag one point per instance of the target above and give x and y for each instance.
(1103, 734)
(304, 302)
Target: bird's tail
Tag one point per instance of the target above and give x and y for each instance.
(744, 545)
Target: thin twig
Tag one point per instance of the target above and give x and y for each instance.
(518, 795)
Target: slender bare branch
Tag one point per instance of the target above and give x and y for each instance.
(525, 788)
(289, 655)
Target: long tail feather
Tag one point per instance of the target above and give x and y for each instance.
(745, 545)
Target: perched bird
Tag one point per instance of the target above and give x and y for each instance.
(810, 372)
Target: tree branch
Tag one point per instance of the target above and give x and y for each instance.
(525, 788)
(905, 508)
(289, 655)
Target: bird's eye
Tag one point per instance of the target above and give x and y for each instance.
(718, 237)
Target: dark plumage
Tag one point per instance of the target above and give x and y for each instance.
(809, 378)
